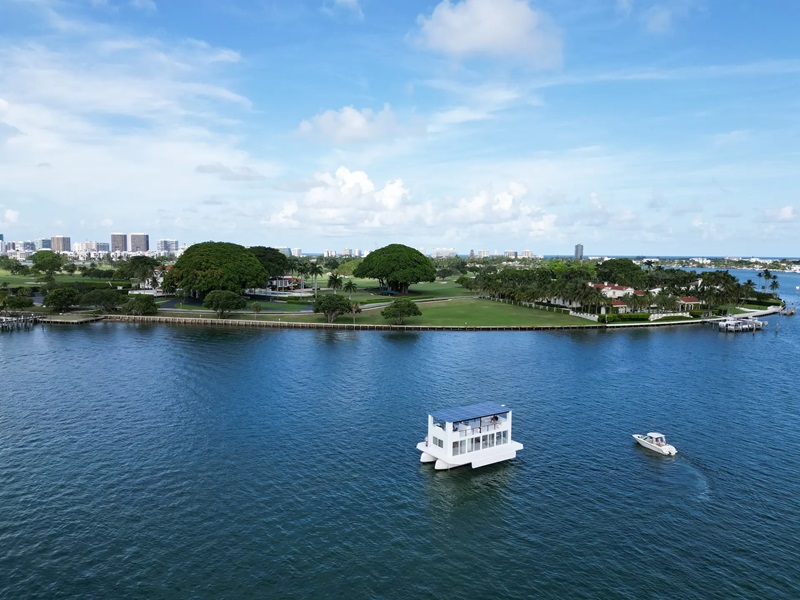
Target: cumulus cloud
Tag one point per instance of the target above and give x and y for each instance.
(785, 214)
(350, 125)
(348, 203)
(10, 216)
(500, 28)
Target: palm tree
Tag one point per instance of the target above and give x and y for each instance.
(774, 285)
(350, 287)
(748, 288)
(302, 271)
(355, 308)
(315, 270)
(335, 282)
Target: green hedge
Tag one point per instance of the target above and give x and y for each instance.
(85, 287)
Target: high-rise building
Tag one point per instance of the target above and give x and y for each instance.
(42, 244)
(510, 254)
(579, 251)
(298, 252)
(167, 246)
(140, 242)
(103, 247)
(119, 242)
(85, 247)
(60, 243)
(2, 245)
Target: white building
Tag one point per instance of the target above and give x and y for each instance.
(443, 252)
(166, 247)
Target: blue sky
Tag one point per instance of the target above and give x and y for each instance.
(635, 127)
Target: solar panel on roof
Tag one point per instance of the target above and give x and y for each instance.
(472, 411)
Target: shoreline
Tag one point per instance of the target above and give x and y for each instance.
(210, 322)
(382, 327)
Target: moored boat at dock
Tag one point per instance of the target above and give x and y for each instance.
(477, 435)
(735, 324)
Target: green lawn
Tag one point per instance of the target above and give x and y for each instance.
(31, 280)
(458, 312)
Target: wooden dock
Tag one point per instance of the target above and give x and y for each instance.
(20, 322)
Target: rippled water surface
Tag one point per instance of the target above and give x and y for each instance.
(177, 462)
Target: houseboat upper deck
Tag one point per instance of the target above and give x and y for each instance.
(478, 434)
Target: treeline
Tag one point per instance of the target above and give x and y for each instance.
(568, 282)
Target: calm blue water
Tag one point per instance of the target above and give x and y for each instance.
(171, 462)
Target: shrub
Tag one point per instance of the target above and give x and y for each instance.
(140, 305)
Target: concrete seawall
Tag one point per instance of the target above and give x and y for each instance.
(387, 327)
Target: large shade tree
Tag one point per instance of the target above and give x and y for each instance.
(275, 262)
(396, 267)
(211, 266)
(47, 261)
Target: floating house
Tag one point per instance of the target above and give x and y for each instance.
(477, 435)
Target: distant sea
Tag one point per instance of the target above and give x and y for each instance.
(186, 462)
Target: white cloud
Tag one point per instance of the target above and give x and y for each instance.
(785, 214)
(350, 125)
(123, 121)
(491, 27)
(10, 216)
(348, 203)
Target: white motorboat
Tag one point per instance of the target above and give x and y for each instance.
(477, 435)
(656, 442)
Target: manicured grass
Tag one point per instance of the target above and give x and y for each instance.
(32, 281)
(438, 289)
(458, 312)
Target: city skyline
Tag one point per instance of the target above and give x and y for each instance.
(629, 126)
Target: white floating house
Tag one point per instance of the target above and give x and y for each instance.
(477, 435)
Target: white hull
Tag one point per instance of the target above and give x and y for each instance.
(478, 459)
(666, 449)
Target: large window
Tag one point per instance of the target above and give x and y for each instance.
(463, 446)
(455, 448)
(498, 438)
(505, 437)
